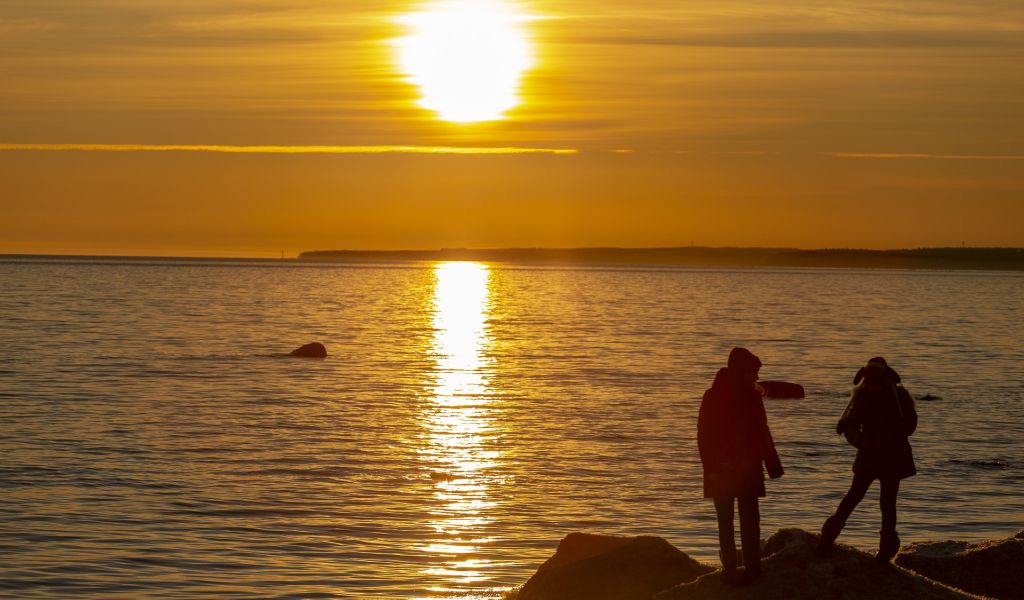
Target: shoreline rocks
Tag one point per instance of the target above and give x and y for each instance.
(604, 567)
(994, 568)
(793, 571)
(601, 567)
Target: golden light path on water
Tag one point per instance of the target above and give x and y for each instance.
(460, 427)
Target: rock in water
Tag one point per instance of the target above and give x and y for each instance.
(994, 568)
(603, 567)
(313, 350)
(792, 571)
(782, 389)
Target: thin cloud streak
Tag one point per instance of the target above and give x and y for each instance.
(282, 149)
(820, 39)
(924, 156)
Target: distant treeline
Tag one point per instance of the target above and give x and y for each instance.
(1011, 259)
(999, 259)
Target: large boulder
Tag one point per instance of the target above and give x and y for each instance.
(792, 571)
(994, 568)
(312, 350)
(781, 389)
(603, 567)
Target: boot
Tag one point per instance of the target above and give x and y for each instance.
(830, 530)
(751, 562)
(748, 576)
(729, 576)
(888, 546)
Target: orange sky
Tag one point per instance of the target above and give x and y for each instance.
(809, 124)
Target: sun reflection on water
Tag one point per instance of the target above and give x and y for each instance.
(460, 429)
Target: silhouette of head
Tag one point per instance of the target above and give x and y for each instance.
(743, 364)
(876, 372)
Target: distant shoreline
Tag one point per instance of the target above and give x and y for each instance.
(985, 259)
(955, 259)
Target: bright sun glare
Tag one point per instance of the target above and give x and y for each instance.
(467, 57)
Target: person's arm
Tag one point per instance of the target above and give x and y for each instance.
(769, 454)
(703, 441)
(849, 423)
(908, 409)
(772, 462)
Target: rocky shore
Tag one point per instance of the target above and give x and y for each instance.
(598, 567)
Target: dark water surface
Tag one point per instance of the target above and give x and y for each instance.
(466, 419)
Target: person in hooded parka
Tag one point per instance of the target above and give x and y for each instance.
(734, 442)
(878, 421)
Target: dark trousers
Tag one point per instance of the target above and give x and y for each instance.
(750, 531)
(887, 500)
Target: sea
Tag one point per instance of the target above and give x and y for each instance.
(156, 440)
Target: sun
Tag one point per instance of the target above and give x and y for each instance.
(467, 57)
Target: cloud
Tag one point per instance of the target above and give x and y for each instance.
(924, 156)
(838, 24)
(824, 38)
(104, 28)
(28, 25)
(392, 149)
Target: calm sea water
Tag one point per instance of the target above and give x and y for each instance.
(466, 419)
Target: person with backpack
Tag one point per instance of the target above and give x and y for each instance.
(734, 441)
(878, 422)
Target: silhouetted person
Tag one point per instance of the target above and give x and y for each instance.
(734, 441)
(878, 421)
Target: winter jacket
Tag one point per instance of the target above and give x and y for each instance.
(734, 440)
(878, 422)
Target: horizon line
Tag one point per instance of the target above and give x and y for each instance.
(492, 249)
(278, 149)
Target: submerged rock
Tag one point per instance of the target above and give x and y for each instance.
(781, 389)
(604, 567)
(312, 350)
(994, 568)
